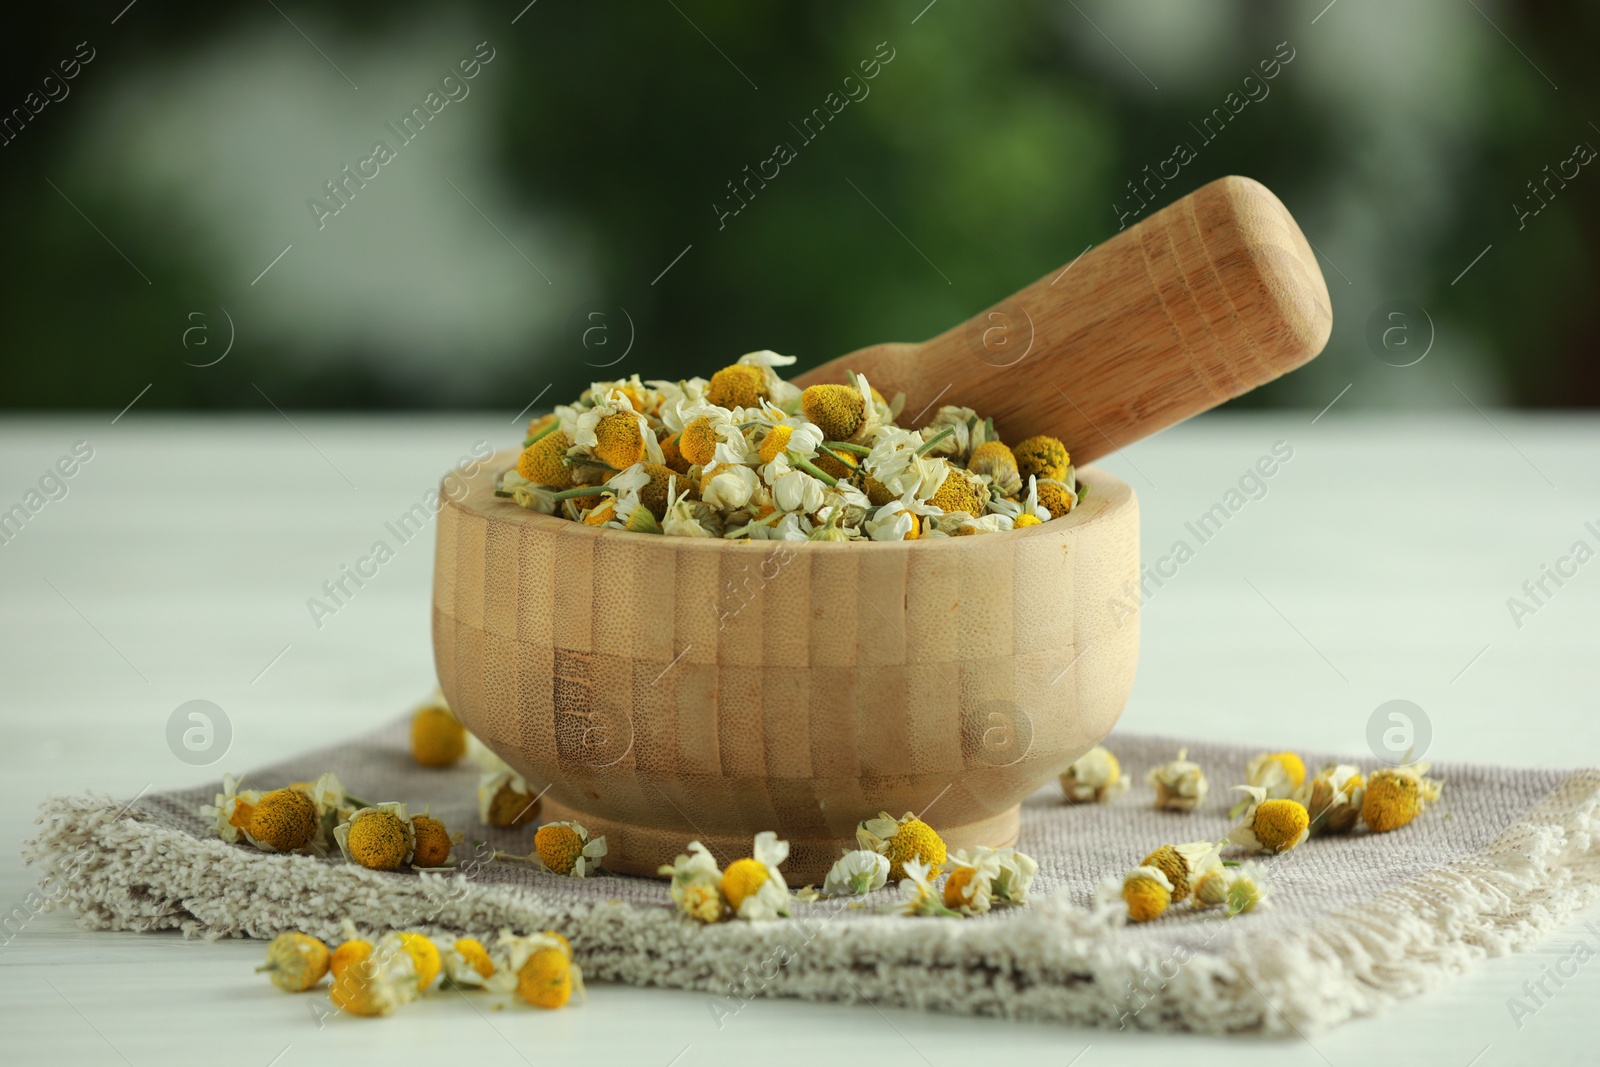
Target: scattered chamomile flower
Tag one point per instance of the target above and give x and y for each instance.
(1277, 774)
(918, 897)
(968, 887)
(539, 969)
(856, 872)
(902, 841)
(380, 838)
(284, 820)
(565, 848)
(1095, 777)
(231, 809)
(1179, 785)
(367, 981)
(1147, 893)
(1270, 825)
(467, 964)
(1184, 865)
(697, 884)
(422, 952)
(437, 737)
(295, 962)
(754, 887)
(1333, 798)
(1016, 875)
(1247, 889)
(1397, 795)
(504, 799)
(433, 843)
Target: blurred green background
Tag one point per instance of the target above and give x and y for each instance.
(565, 210)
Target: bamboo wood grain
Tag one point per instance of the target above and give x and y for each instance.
(1202, 301)
(670, 689)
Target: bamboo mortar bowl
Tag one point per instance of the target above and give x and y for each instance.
(670, 689)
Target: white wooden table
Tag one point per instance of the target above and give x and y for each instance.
(178, 565)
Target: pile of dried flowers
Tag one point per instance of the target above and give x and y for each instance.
(747, 454)
(1281, 808)
(373, 977)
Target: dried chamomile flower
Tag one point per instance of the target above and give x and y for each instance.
(1058, 498)
(961, 490)
(230, 811)
(1239, 889)
(565, 848)
(1179, 785)
(1016, 875)
(1184, 865)
(1270, 825)
(284, 820)
(697, 884)
(969, 884)
(295, 962)
(467, 964)
(433, 843)
(1278, 773)
(754, 887)
(1332, 797)
(437, 737)
(380, 838)
(1147, 893)
(1025, 512)
(1396, 795)
(858, 871)
(539, 969)
(837, 410)
(902, 840)
(504, 799)
(918, 896)
(369, 981)
(1044, 458)
(423, 953)
(544, 461)
(995, 463)
(1095, 777)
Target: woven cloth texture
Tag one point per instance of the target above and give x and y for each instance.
(1357, 923)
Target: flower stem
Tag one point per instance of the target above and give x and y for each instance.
(846, 446)
(542, 433)
(935, 439)
(583, 490)
(810, 468)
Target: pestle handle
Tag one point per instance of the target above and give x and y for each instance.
(1206, 299)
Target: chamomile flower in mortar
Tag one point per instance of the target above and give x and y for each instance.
(968, 526)
(230, 810)
(696, 884)
(902, 840)
(797, 491)
(504, 797)
(1058, 498)
(566, 848)
(467, 964)
(1396, 795)
(1179, 785)
(1025, 512)
(615, 434)
(690, 518)
(904, 519)
(1095, 777)
(380, 838)
(1184, 865)
(1270, 824)
(918, 896)
(728, 486)
(1332, 797)
(539, 969)
(858, 871)
(754, 887)
(1044, 458)
(527, 494)
(969, 432)
(995, 464)
(1147, 893)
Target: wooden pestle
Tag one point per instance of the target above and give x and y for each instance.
(1204, 300)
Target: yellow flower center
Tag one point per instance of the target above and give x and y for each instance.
(737, 386)
(1391, 802)
(1292, 765)
(541, 464)
(878, 494)
(961, 492)
(240, 819)
(477, 957)
(1170, 862)
(1053, 497)
(994, 460)
(511, 808)
(437, 739)
(433, 842)
(838, 410)
(699, 441)
(842, 467)
(702, 901)
(618, 441)
(914, 840)
(1043, 457)
(654, 495)
(1146, 898)
(559, 847)
(1025, 520)
(742, 879)
(424, 957)
(1279, 823)
(775, 442)
(377, 840)
(285, 819)
(355, 986)
(545, 980)
(296, 962)
(347, 955)
(956, 884)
